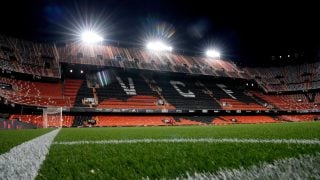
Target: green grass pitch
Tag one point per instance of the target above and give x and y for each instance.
(11, 138)
(170, 160)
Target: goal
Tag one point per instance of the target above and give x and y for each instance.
(52, 117)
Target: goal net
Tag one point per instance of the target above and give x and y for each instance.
(52, 117)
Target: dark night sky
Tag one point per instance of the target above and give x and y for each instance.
(244, 32)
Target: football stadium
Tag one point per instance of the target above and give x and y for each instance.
(91, 107)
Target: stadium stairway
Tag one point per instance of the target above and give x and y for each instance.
(70, 90)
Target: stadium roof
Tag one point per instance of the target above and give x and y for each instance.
(244, 32)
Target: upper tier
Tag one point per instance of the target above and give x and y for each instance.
(134, 58)
(288, 78)
(43, 60)
(29, 58)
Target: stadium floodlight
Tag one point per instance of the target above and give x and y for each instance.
(158, 46)
(213, 53)
(90, 37)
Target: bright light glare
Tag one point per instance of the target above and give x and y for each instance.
(90, 37)
(213, 53)
(158, 46)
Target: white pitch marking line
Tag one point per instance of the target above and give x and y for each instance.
(24, 160)
(302, 167)
(191, 140)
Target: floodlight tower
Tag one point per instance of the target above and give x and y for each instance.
(212, 53)
(91, 37)
(158, 46)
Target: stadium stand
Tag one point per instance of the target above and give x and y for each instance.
(233, 96)
(288, 78)
(128, 90)
(30, 119)
(297, 101)
(186, 95)
(125, 79)
(134, 90)
(27, 57)
(33, 93)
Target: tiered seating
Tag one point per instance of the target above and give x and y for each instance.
(30, 119)
(288, 78)
(237, 100)
(137, 95)
(290, 102)
(131, 120)
(159, 120)
(37, 120)
(114, 120)
(232, 104)
(134, 58)
(298, 118)
(144, 90)
(196, 93)
(34, 93)
(28, 57)
(195, 98)
(135, 102)
(129, 90)
(143, 121)
(67, 121)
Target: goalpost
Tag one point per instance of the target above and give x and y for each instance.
(52, 117)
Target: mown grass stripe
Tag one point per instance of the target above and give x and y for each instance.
(192, 140)
(303, 167)
(24, 161)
